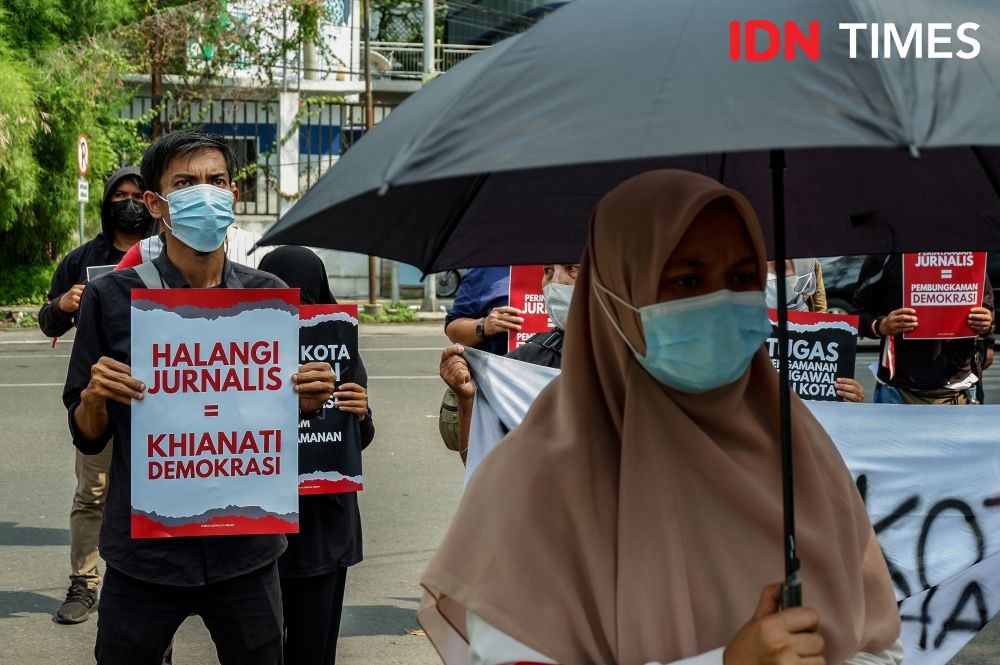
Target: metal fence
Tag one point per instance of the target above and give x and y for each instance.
(406, 59)
(249, 126)
(325, 130)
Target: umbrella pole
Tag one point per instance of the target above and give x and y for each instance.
(791, 588)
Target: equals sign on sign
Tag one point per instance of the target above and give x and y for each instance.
(946, 273)
(211, 410)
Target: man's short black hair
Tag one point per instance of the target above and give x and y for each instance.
(177, 144)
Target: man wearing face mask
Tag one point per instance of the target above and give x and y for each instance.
(541, 349)
(124, 221)
(152, 585)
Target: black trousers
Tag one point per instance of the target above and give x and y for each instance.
(313, 606)
(137, 619)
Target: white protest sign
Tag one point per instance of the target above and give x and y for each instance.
(930, 477)
(214, 441)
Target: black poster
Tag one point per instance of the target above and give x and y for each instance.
(330, 443)
(821, 349)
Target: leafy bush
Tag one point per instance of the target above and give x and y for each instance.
(394, 313)
(26, 285)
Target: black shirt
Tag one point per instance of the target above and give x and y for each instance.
(104, 328)
(920, 364)
(329, 524)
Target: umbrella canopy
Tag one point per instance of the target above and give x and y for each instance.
(502, 158)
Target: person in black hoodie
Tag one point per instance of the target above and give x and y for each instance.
(313, 569)
(124, 221)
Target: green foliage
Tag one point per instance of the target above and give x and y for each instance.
(19, 122)
(17, 319)
(64, 70)
(395, 313)
(26, 285)
(57, 80)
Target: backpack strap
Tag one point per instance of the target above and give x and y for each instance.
(550, 340)
(149, 275)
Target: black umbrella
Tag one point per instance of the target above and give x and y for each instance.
(502, 159)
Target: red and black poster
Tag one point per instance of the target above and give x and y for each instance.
(821, 349)
(330, 443)
(213, 442)
(526, 295)
(942, 287)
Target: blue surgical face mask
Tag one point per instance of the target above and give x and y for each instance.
(200, 215)
(699, 344)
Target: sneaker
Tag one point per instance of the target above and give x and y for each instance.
(79, 603)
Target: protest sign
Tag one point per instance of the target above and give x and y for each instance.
(526, 295)
(821, 348)
(928, 476)
(330, 443)
(212, 450)
(942, 287)
(93, 272)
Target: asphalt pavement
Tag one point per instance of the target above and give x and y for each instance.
(412, 487)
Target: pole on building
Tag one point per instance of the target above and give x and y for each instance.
(429, 37)
(394, 282)
(372, 307)
(430, 293)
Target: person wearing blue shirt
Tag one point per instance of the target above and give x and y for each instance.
(481, 316)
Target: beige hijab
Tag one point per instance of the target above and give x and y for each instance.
(625, 522)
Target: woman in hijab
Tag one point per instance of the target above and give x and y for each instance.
(313, 569)
(636, 513)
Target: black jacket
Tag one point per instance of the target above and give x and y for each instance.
(920, 364)
(542, 349)
(329, 524)
(99, 251)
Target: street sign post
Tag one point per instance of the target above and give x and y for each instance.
(82, 186)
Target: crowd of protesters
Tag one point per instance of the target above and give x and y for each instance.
(561, 571)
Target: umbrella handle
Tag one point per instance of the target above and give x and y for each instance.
(791, 593)
(791, 589)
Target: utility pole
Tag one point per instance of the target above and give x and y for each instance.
(372, 307)
(430, 281)
(428, 38)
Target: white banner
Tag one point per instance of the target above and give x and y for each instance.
(929, 475)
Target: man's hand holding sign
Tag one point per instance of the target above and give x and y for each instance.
(352, 398)
(314, 384)
(109, 379)
(904, 320)
(938, 287)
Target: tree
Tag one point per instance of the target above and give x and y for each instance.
(64, 67)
